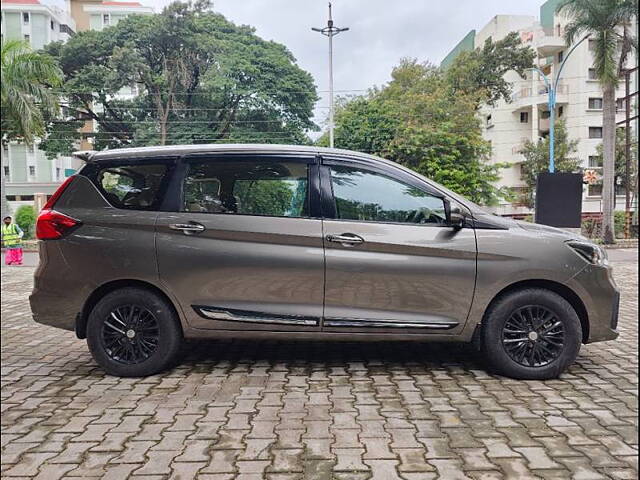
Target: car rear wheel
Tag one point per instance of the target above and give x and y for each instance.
(133, 332)
(531, 334)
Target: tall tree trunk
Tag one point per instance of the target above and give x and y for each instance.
(6, 209)
(608, 163)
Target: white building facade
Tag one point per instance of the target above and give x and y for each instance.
(526, 118)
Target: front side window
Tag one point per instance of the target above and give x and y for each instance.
(265, 187)
(368, 196)
(135, 187)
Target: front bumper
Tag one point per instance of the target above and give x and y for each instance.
(597, 290)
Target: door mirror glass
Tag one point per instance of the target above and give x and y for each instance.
(368, 196)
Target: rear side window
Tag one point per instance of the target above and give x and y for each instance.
(266, 187)
(133, 186)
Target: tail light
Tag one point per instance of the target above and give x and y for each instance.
(51, 224)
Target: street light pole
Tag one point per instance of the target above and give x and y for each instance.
(330, 31)
(552, 88)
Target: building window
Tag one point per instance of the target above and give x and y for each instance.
(57, 173)
(25, 18)
(592, 74)
(11, 198)
(595, 161)
(6, 171)
(595, 103)
(620, 105)
(546, 114)
(106, 19)
(560, 111)
(489, 121)
(560, 56)
(26, 198)
(27, 38)
(32, 170)
(595, 132)
(595, 190)
(53, 27)
(524, 117)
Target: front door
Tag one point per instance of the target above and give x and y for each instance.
(245, 252)
(392, 262)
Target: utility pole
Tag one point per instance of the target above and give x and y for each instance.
(552, 89)
(330, 31)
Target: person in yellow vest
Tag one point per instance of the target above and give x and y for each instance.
(12, 242)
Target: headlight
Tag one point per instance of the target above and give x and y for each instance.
(590, 252)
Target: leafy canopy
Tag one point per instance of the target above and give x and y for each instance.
(26, 90)
(609, 24)
(419, 121)
(196, 78)
(480, 72)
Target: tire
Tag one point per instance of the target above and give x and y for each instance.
(515, 316)
(133, 332)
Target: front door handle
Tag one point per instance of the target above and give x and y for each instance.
(346, 239)
(188, 228)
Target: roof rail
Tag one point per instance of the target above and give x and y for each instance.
(84, 155)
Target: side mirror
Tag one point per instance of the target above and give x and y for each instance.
(455, 217)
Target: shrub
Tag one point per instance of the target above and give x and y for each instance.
(591, 227)
(26, 220)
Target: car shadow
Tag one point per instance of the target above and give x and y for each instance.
(201, 354)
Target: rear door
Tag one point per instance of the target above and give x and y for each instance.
(245, 250)
(392, 262)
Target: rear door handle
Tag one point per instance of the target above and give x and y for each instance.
(188, 228)
(345, 239)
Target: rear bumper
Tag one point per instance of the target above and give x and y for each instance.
(57, 296)
(50, 309)
(597, 290)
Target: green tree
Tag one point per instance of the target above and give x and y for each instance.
(196, 78)
(621, 164)
(419, 121)
(609, 24)
(26, 220)
(536, 161)
(26, 97)
(481, 72)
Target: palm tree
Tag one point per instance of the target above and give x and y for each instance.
(609, 25)
(26, 98)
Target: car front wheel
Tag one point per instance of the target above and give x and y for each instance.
(133, 332)
(531, 334)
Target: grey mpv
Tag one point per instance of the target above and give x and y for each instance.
(145, 247)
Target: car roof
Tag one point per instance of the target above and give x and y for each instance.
(180, 150)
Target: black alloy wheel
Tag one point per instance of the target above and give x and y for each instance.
(533, 336)
(130, 334)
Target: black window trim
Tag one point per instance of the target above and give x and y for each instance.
(313, 178)
(328, 201)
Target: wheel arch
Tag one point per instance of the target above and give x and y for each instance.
(565, 292)
(106, 288)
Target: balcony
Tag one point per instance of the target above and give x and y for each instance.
(549, 41)
(537, 95)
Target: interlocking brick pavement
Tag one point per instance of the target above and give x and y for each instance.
(312, 410)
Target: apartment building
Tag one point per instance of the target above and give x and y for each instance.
(578, 100)
(28, 173)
